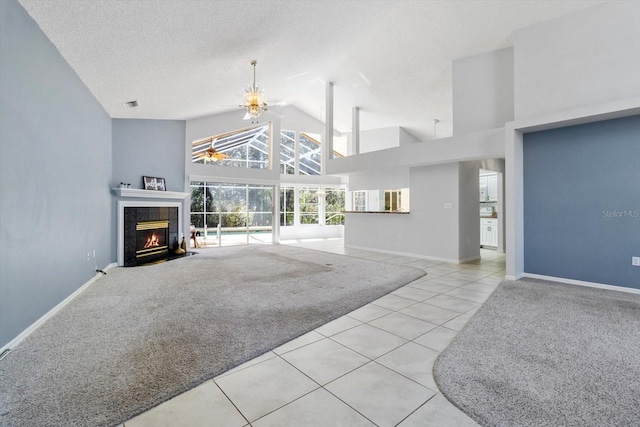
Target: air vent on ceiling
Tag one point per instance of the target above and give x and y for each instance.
(131, 104)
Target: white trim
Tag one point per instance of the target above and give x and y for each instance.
(582, 283)
(142, 204)
(516, 277)
(454, 261)
(148, 194)
(14, 342)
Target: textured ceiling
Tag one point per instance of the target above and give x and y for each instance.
(183, 59)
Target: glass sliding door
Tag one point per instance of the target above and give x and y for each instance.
(231, 214)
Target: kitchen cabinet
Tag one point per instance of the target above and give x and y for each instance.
(488, 232)
(489, 188)
(484, 188)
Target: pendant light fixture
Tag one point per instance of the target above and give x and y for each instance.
(254, 100)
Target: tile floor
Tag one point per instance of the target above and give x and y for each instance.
(372, 367)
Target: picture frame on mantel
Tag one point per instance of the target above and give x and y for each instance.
(153, 183)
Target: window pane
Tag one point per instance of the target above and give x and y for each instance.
(308, 199)
(287, 152)
(197, 198)
(334, 206)
(286, 206)
(197, 220)
(310, 154)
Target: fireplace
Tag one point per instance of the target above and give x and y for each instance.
(150, 234)
(152, 241)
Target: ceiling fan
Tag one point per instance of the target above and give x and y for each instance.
(210, 154)
(254, 100)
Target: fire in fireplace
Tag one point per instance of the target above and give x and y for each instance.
(151, 240)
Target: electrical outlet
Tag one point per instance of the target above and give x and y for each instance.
(635, 261)
(88, 255)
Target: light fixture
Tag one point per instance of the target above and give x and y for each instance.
(131, 104)
(254, 100)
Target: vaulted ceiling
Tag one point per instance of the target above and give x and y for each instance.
(182, 59)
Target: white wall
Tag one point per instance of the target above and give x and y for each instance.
(378, 139)
(587, 58)
(383, 138)
(430, 230)
(380, 179)
(483, 91)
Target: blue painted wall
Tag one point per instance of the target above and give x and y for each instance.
(147, 148)
(582, 202)
(151, 148)
(55, 171)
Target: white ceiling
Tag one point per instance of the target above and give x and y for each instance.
(183, 59)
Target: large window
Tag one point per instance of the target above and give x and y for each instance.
(245, 148)
(311, 206)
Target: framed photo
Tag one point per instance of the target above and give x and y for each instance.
(153, 183)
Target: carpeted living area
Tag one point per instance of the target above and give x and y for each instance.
(541, 353)
(139, 336)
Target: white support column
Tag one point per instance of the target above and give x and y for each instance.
(327, 144)
(275, 232)
(355, 130)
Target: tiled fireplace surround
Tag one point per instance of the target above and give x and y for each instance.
(135, 215)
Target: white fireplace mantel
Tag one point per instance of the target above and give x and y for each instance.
(148, 194)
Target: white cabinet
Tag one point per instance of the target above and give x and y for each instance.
(488, 232)
(484, 188)
(489, 188)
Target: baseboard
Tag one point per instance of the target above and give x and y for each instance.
(582, 283)
(430, 258)
(14, 342)
(516, 277)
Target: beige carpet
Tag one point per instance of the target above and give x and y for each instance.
(540, 353)
(142, 335)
